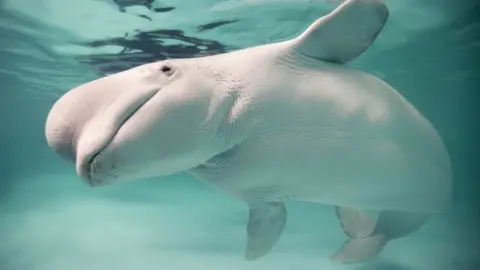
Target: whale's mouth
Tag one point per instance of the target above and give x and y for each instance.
(104, 128)
(89, 167)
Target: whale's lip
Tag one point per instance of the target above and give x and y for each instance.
(89, 166)
(86, 167)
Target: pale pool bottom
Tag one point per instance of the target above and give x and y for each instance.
(57, 223)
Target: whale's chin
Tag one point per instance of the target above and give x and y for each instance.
(91, 179)
(100, 139)
(87, 172)
(97, 167)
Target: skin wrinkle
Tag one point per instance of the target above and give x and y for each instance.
(232, 102)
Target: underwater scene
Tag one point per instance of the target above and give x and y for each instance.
(239, 134)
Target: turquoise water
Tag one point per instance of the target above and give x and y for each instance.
(49, 220)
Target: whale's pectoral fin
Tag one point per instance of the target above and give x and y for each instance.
(265, 225)
(357, 250)
(362, 245)
(354, 222)
(345, 33)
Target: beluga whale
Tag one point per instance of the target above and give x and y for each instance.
(285, 121)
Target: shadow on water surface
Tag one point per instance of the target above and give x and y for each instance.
(145, 47)
(149, 46)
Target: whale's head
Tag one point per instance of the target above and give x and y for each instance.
(152, 120)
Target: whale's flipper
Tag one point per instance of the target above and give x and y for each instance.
(363, 246)
(345, 33)
(355, 223)
(265, 225)
(357, 250)
(363, 243)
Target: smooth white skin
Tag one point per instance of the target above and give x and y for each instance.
(264, 123)
(325, 133)
(137, 123)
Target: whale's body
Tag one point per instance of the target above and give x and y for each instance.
(277, 122)
(308, 134)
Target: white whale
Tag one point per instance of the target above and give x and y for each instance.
(283, 121)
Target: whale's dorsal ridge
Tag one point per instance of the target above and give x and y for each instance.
(345, 33)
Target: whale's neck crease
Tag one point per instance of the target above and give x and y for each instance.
(229, 108)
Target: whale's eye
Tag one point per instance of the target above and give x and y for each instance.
(167, 70)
